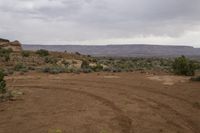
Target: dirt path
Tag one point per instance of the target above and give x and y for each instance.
(101, 103)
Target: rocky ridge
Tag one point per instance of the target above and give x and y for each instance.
(15, 45)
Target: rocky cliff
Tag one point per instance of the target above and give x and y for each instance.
(15, 45)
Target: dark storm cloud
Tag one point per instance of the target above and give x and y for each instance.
(97, 19)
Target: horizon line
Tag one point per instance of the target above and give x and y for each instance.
(173, 45)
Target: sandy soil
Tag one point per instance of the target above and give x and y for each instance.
(101, 103)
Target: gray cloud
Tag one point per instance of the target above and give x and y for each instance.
(85, 20)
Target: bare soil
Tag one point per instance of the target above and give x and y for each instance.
(101, 103)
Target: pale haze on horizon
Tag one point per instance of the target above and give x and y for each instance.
(166, 22)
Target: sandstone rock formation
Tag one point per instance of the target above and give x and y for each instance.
(15, 45)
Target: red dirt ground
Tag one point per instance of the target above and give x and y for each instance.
(101, 103)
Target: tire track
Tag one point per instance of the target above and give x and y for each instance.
(125, 85)
(187, 122)
(123, 120)
(162, 108)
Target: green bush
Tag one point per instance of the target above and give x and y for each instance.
(2, 83)
(183, 66)
(25, 53)
(42, 52)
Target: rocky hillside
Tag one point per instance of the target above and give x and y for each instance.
(15, 45)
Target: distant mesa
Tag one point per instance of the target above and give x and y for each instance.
(125, 50)
(15, 45)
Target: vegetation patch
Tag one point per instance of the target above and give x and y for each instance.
(21, 67)
(2, 83)
(4, 93)
(53, 69)
(5, 53)
(50, 60)
(25, 53)
(42, 52)
(184, 66)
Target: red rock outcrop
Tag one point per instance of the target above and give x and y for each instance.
(15, 45)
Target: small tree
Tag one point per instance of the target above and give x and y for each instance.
(2, 83)
(183, 66)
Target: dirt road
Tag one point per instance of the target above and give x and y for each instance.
(101, 103)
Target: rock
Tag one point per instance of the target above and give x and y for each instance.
(15, 45)
(3, 40)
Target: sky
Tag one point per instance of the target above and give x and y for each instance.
(96, 22)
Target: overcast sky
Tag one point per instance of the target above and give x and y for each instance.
(101, 21)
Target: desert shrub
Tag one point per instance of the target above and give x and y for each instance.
(97, 68)
(66, 63)
(25, 53)
(50, 60)
(53, 69)
(8, 71)
(5, 53)
(31, 68)
(112, 69)
(77, 53)
(20, 67)
(93, 60)
(85, 64)
(42, 52)
(183, 66)
(195, 78)
(73, 70)
(2, 83)
(3, 50)
(74, 62)
(86, 70)
(7, 57)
